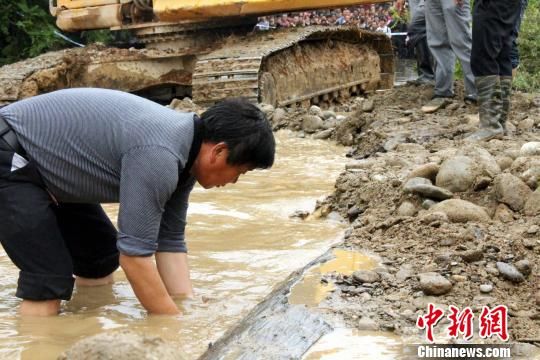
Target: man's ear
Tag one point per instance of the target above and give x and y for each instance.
(218, 150)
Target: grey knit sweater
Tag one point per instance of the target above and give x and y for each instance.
(99, 146)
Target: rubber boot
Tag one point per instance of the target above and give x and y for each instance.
(506, 91)
(490, 108)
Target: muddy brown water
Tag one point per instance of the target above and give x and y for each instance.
(241, 242)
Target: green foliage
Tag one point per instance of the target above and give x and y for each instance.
(528, 75)
(26, 30)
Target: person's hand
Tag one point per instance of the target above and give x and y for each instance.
(459, 3)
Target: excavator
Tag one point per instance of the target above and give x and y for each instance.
(208, 50)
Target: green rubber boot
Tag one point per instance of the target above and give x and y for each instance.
(490, 107)
(506, 91)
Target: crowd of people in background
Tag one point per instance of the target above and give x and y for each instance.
(372, 17)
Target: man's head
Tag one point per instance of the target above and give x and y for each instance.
(237, 138)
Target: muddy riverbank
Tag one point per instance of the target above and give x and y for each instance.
(464, 232)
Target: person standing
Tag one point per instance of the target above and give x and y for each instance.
(448, 37)
(416, 33)
(493, 33)
(517, 27)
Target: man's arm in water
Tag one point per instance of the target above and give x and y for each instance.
(174, 271)
(171, 257)
(147, 284)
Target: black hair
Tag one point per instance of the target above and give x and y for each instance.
(244, 128)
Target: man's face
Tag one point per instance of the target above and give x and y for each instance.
(211, 168)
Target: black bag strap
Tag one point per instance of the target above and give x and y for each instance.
(198, 130)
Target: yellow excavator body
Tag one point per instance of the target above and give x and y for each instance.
(208, 50)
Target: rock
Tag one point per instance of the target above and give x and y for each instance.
(486, 288)
(366, 323)
(481, 183)
(368, 105)
(531, 177)
(530, 149)
(472, 255)
(453, 106)
(433, 192)
(340, 118)
(532, 206)
(459, 278)
(415, 182)
(459, 211)
(404, 272)
(485, 162)
(533, 229)
(428, 171)
(312, 123)
(537, 298)
(315, 110)
(267, 109)
(503, 214)
(428, 203)
(504, 162)
(457, 174)
(279, 115)
(366, 276)
(354, 211)
(323, 135)
(434, 284)
(526, 124)
(407, 208)
(431, 217)
(122, 345)
(509, 272)
(393, 142)
(511, 191)
(327, 114)
(523, 266)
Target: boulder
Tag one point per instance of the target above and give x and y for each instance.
(511, 191)
(532, 206)
(530, 149)
(327, 114)
(457, 174)
(312, 123)
(433, 283)
(406, 208)
(428, 171)
(486, 163)
(279, 115)
(366, 276)
(315, 110)
(509, 272)
(122, 345)
(504, 162)
(460, 211)
(503, 214)
(368, 105)
(323, 135)
(412, 183)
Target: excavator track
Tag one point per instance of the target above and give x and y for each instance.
(313, 65)
(301, 66)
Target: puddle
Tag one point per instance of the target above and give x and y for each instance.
(241, 243)
(352, 344)
(311, 291)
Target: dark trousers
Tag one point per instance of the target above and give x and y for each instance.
(517, 26)
(492, 35)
